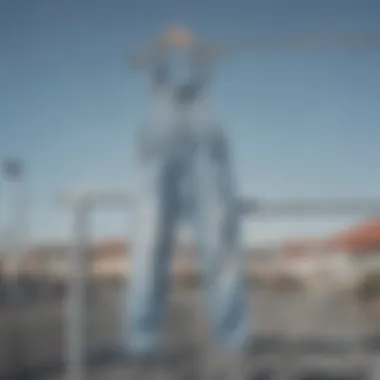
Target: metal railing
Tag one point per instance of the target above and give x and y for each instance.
(82, 204)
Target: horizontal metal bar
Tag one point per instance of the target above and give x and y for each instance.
(247, 206)
(309, 207)
(114, 198)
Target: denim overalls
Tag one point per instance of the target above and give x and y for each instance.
(185, 171)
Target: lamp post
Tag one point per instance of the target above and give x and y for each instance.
(13, 172)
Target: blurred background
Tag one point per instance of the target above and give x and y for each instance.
(302, 123)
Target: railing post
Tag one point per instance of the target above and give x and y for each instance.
(77, 300)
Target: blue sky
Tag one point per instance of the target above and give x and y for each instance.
(301, 123)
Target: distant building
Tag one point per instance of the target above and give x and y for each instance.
(341, 258)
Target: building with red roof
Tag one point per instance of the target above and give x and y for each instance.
(358, 239)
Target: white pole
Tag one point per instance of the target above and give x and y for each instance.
(82, 204)
(77, 300)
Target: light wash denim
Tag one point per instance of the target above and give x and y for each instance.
(186, 173)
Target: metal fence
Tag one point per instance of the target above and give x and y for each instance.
(281, 342)
(74, 329)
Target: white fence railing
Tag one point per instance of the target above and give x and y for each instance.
(82, 204)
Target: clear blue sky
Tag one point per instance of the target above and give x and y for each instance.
(301, 124)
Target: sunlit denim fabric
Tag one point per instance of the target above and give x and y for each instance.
(177, 155)
(202, 162)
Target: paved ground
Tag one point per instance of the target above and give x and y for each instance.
(296, 316)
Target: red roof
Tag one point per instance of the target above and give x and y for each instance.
(359, 238)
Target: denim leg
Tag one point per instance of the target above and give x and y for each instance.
(156, 210)
(222, 259)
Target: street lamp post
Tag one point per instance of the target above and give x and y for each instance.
(13, 172)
